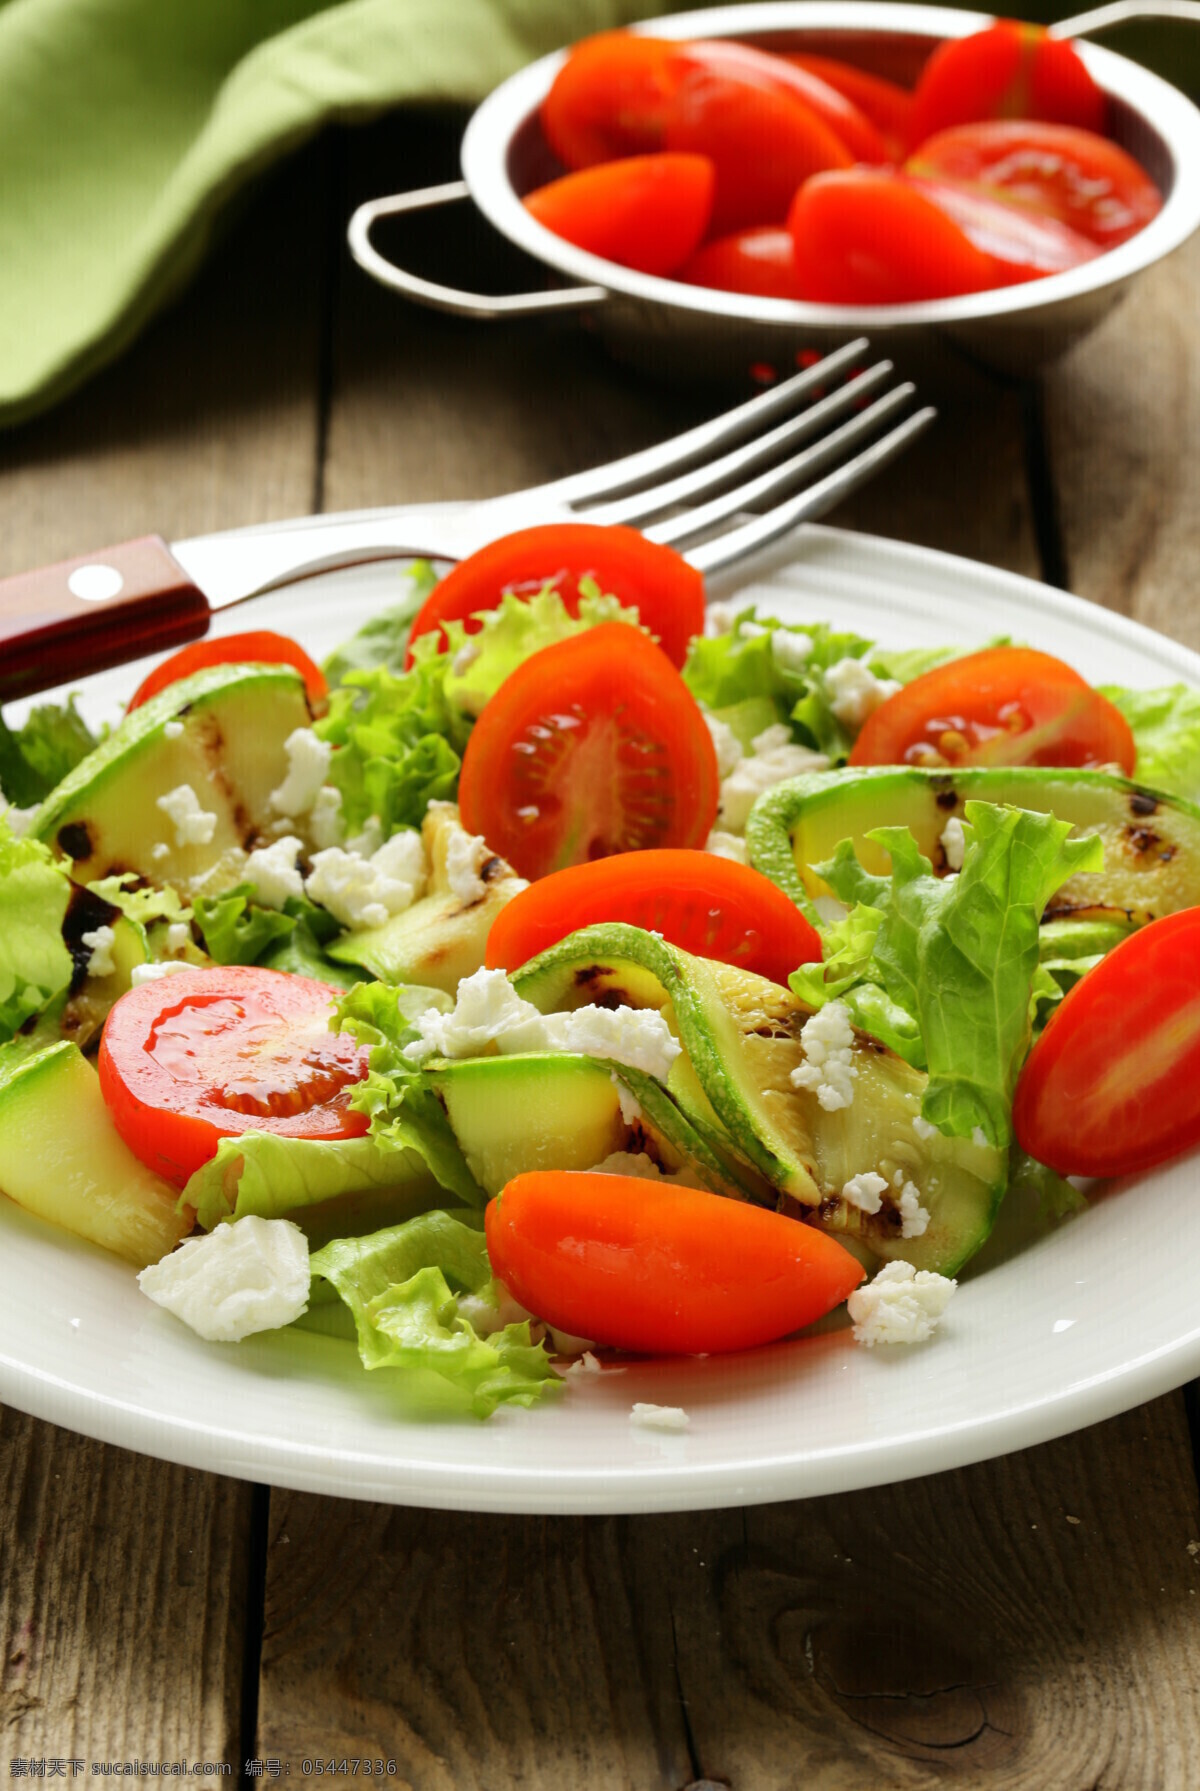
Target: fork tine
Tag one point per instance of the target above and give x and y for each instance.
(710, 475)
(682, 451)
(831, 449)
(737, 545)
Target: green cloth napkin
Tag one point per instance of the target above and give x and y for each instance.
(127, 124)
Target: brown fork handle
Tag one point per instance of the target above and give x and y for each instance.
(101, 609)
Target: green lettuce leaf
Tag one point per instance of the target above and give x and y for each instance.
(264, 1174)
(141, 903)
(519, 627)
(38, 755)
(1166, 731)
(958, 955)
(402, 1287)
(236, 929)
(729, 669)
(35, 965)
(384, 639)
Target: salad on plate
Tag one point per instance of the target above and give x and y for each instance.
(564, 970)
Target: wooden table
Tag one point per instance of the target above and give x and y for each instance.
(1031, 1622)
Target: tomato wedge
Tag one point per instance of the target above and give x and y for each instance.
(864, 237)
(1082, 180)
(760, 261)
(704, 904)
(592, 746)
(647, 212)
(1002, 706)
(207, 1054)
(1009, 70)
(1024, 244)
(607, 99)
(1113, 1084)
(666, 591)
(258, 647)
(888, 106)
(644, 1265)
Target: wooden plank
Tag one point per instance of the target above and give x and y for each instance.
(123, 1582)
(1123, 428)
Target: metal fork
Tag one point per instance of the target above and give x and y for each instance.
(794, 450)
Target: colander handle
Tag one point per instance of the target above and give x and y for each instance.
(449, 298)
(1120, 12)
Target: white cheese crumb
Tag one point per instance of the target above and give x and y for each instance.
(719, 618)
(631, 1107)
(179, 936)
(586, 1364)
(151, 973)
(465, 658)
(275, 874)
(827, 1040)
(914, 1218)
(308, 767)
(923, 1129)
(325, 824)
(100, 944)
(901, 1305)
(637, 1036)
(791, 652)
(486, 1317)
(194, 826)
(954, 843)
(366, 891)
(772, 738)
(760, 771)
(403, 859)
(160, 851)
(726, 743)
(173, 729)
(865, 1191)
(659, 1417)
(246, 1276)
(855, 692)
(727, 845)
(466, 854)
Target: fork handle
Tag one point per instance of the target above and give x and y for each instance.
(99, 610)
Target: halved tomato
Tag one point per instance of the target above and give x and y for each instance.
(646, 1265)
(607, 99)
(863, 237)
(593, 746)
(207, 1054)
(1009, 70)
(888, 106)
(647, 212)
(666, 591)
(706, 905)
(260, 646)
(1113, 1084)
(760, 261)
(1025, 244)
(1001, 706)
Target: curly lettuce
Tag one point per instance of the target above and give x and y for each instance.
(35, 965)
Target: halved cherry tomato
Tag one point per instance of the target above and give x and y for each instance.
(647, 212)
(1024, 244)
(258, 647)
(607, 99)
(1001, 706)
(666, 591)
(760, 71)
(1082, 180)
(646, 1266)
(760, 261)
(706, 905)
(762, 139)
(208, 1054)
(888, 106)
(1009, 70)
(592, 746)
(865, 238)
(1113, 1084)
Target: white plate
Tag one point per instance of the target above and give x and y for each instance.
(1100, 1316)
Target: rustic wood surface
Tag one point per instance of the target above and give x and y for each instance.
(1029, 1622)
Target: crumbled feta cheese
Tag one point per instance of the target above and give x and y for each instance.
(727, 845)
(791, 652)
(725, 741)
(954, 843)
(275, 874)
(865, 1191)
(761, 771)
(151, 973)
(855, 692)
(827, 1040)
(914, 1218)
(772, 738)
(719, 618)
(901, 1305)
(466, 854)
(194, 826)
(465, 658)
(659, 1417)
(923, 1129)
(368, 842)
(308, 767)
(173, 729)
(631, 1107)
(100, 944)
(325, 824)
(246, 1276)
(485, 1317)
(488, 1010)
(365, 891)
(179, 936)
(160, 851)
(586, 1364)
